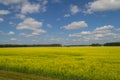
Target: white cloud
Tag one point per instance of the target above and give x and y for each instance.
(104, 30)
(4, 12)
(103, 5)
(34, 7)
(38, 32)
(101, 33)
(7, 34)
(31, 24)
(75, 25)
(85, 32)
(67, 15)
(11, 33)
(1, 19)
(25, 6)
(105, 27)
(30, 8)
(74, 9)
(13, 39)
(8, 2)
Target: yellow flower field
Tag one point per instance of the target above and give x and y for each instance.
(64, 63)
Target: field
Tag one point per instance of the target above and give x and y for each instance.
(60, 63)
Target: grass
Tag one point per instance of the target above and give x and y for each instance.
(64, 63)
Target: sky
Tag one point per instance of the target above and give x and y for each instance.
(68, 22)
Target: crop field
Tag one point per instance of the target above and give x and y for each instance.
(62, 63)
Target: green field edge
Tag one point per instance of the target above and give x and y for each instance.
(11, 75)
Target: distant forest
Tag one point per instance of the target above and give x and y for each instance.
(107, 44)
(32, 45)
(58, 45)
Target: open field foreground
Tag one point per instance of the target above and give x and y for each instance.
(9, 75)
(63, 63)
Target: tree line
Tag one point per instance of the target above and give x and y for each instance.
(98, 44)
(106, 44)
(34, 45)
(58, 45)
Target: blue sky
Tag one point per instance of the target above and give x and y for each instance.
(59, 21)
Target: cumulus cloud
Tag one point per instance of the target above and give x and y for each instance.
(75, 25)
(31, 24)
(74, 9)
(100, 33)
(103, 5)
(104, 30)
(1, 19)
(11, 33)
(4, 12)
(34, 7)
(30, 8)
(25, 6)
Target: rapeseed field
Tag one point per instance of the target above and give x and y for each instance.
(64, 63)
